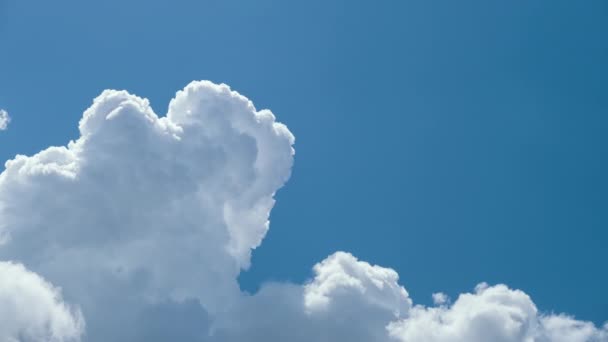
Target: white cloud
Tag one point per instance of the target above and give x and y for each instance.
(147, 208)
(347, 300)
(562, 328)
(31, 309)
(146, 222)
(5, 119)
(491, 313)
(341, 281)
(440, 298)
(351, 300)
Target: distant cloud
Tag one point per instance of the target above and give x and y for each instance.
(145, 223)
(5, 119)
(440, 298)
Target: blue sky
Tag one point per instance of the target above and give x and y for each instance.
(453, 141)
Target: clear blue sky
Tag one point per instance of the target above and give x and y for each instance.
(454, 141)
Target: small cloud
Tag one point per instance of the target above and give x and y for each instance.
(440, 298)
(5, 119)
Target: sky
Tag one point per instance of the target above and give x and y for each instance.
(451, 143)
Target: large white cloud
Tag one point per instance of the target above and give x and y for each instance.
(148, 209)
(5, 119)
(31, 309)
(351, 300)
(146, 221)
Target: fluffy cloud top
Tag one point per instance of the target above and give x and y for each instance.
(492, 313)
(146, 207)
(5, 119)
(341, 278)
(31, 309)
(146, 222)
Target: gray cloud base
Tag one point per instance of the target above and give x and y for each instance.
(145, 222)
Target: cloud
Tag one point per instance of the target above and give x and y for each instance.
(31, 309)
(5, 119)
(148, 209)
(351, 300)
(342, 281)
(146, 222)
(440, 298)
(347, 300)
(492, 313)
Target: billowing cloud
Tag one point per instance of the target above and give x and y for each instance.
(146, 222)
(5, 119)
(342, 281)
(148, 209)
(31, 309)
(347, 300)
(351, 300)
(492, 313)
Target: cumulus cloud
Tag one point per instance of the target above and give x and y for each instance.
(31, 309)
(146, 208)
(351, 300)
(347, 300)
(5, 119)
(146, 222)
(491, 313)
(342, 281)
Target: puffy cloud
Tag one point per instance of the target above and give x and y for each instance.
(562, 328)
(491, 313)
(146, 222)
(347, 300)
(342, 281)
(31, 309)
(351, 300)
(142, 209)
(440, 298)
(5, 119)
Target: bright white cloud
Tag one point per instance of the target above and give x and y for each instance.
(146, 222)
(31, 309)
(148, 208)
(351, 300)
(5, 119)
(342, 281)
(347, 300)
(491, 313)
